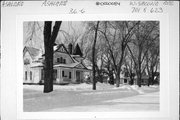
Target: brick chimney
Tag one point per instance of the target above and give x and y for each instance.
(70, 48)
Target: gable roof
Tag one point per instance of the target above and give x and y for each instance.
(34, 52)
(77, 50)
(84, 66)
(61, 48)
(81, 65)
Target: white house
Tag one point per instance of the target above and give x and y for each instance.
(68, 65)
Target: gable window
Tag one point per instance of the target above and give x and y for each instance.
(69, 75)
(61, 60)
(30, 75)
(26, 61)
(25, 75)
(58, 60)
(64, 61)
(63, 73)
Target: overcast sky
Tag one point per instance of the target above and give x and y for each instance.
(35, 38)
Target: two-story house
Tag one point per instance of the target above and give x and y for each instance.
(68, 65)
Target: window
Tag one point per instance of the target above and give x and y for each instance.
(63, 73)
(61, 59)
(125, 80)
(42, 74)
(69, 75)
(64, 61)
(30, 75)
(26, 61)
(25, 75)
(58, 60)
(54, 74)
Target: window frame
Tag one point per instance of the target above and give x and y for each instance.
(26, 75)
(70, 75)
(63, 74)
(30, 75)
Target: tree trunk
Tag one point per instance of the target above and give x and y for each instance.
(149, 81)
(93, 57)
(117, 77)
(117, 80)
(131, 79)
(48, 65)
(49, 39)
(119, 65)
(139, 80)
(48, 82)
(152, 79)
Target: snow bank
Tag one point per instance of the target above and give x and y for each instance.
(145, 89)
(99, 86)
(103, 86)
(139, 90)
(71, 87)
(74, 87)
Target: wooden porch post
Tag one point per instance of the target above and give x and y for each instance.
(60, 74)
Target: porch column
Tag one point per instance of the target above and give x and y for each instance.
(74, 75)
(40, 77)
(60, 74)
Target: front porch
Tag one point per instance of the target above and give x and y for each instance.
(67, 75)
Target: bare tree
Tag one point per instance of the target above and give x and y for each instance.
(129, 64)
(49, 40)
(140, 46)
(33, 34)
(93, 55)
(152, 61)
(117, 36)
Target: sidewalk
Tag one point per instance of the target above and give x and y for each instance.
(145, 102)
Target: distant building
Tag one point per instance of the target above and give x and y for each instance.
(68, 65)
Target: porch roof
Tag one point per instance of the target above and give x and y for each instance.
(66, 65)
(36, 65)
(72, 65)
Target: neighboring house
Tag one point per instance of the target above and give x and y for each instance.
(68, 65)
(124, 77)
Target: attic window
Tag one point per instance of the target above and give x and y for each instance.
(61, 60)
(26, 61)
(64, 61)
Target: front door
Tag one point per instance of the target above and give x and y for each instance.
(77, 76)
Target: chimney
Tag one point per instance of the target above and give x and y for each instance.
(70, 48)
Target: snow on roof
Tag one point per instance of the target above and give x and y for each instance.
(37, 64)
(34, 52)
(75, 55)
(67, 65)
(55, 47)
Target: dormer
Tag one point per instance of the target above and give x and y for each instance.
(62, 56)
(30, 55)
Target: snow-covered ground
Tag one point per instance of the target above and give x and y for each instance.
(81, 97)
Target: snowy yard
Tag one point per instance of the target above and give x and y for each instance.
(81, 98)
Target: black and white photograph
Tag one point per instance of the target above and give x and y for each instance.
(91, 66)
(89, 60)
